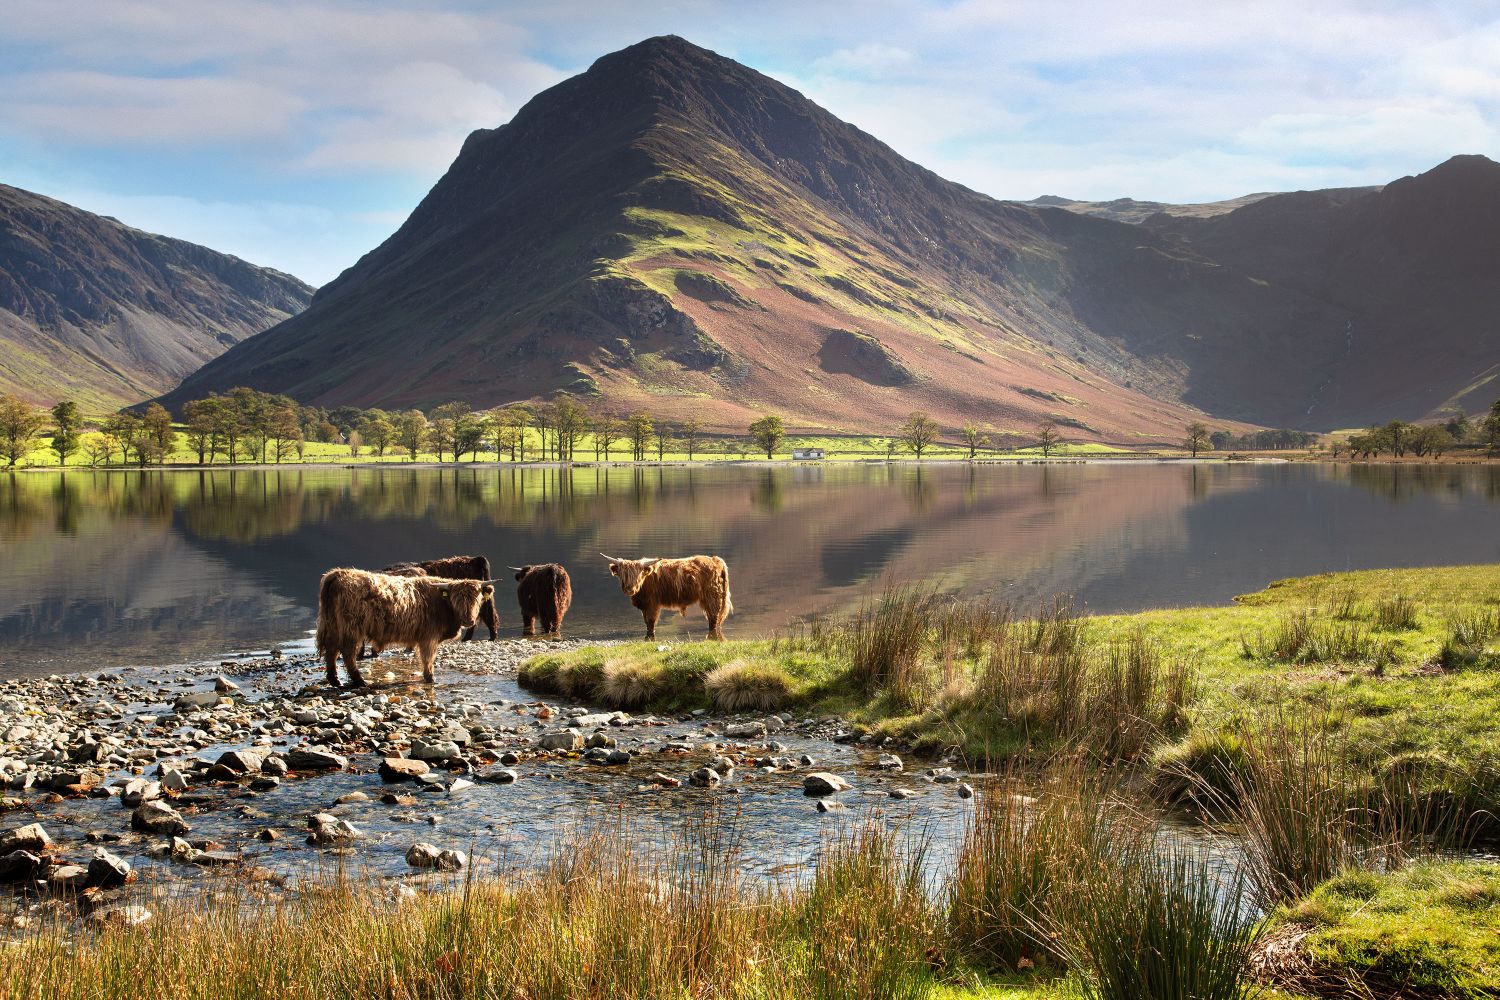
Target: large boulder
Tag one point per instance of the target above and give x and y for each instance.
(326, 829)
(439, 751)
(315, 759)
(397, 769)
(561, 739)
(159, 818)
(824, 783)
(24, 838)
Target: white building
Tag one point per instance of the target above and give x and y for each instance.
(807, 454)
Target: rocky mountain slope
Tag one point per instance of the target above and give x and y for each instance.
(674, 230)
(98, 312)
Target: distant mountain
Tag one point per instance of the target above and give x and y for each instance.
(95, 311)
(673, 230)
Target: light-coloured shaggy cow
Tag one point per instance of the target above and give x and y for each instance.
(653, 584)
(356, 606)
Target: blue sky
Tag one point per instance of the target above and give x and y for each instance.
(299, 134)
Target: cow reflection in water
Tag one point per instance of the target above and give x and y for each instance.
(653, 584)
(419, 612)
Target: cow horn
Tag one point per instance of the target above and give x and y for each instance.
(495, 580)
(518, 569)
(611, 558)
(652, 561)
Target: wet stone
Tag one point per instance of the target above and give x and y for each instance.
(824, 783)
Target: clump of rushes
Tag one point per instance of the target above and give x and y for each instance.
(748, 685)
(866, 919)
(1157, 920)
(1019, 859)
(1469, 631)
(1300, 638)
(1344, 605)
(627, 683)
(1396, 614)
(1291, 795)
(886, 641)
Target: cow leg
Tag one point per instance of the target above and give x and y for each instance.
(351, 665)
(651, 615)
(491, 618)
(331, 668)
(715, 616)
(468, 634)
(427, 652)
(528, 625)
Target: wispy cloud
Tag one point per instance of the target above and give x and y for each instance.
(353, 107)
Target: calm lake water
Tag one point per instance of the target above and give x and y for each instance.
(118, 568)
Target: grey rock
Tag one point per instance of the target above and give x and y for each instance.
(824, 783)
(561, 739)
(327, 829)
(397, 769)
(965, 790)
(242, 761)
(438, 751)
(313, 759)
(704, 777)
(498, 775)
(902, 793)
(158, 818)
(138, 790)
(18, 865)
(24, 838)
(745, 730)
(830, 805)
(126, 915)
(107, 871)
(888, 762)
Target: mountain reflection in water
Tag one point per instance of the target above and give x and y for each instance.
(114, 568)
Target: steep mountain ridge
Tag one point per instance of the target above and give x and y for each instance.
(674, 230)
(98, 312)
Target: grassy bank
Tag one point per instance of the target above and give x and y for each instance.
(1430, 929)
(612, 918)
(1399, 665)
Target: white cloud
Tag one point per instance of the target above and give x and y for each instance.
(871, 59)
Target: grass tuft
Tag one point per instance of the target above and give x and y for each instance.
(749, 685)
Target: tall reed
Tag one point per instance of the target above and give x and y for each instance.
(1157, 920)
(1019, 858)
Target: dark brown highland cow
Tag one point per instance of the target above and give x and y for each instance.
(419, 612)
(653, 584)
(545, 594)
(455, 568)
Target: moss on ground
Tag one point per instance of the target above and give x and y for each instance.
(1430, 929)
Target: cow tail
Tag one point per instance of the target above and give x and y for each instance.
(728, 597)
(325, 639)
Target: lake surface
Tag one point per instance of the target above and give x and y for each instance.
(118, 568)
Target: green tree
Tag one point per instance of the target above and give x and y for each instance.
(1458, 426)
(468, 436)
(1047, 437)
(767, 434)
(663, 438)
(974, 438)
(1198, 438)
(157, 423)
(569, 424)
(201, 418)
(379, 431)
(20, 426)
(411, 432)
(606, 430)
(284, 424)
(1398, 435)
(254, 420)
(97, 447)
(1430, 440)
(918, 433)
(639, 428)
(121, 428)
(65, 429)
(1489, 431)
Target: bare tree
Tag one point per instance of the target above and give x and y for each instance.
(1198, 438)
(918, 433)
(1047, 437)
(974, 439)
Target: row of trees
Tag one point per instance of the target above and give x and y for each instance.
(251, 426)
(1399, 438)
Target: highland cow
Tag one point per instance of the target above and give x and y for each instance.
(455, 568)
(653, 584)
(419, 612)
(545, 592)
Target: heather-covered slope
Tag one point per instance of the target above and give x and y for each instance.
(674, 230)
(98, 312)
